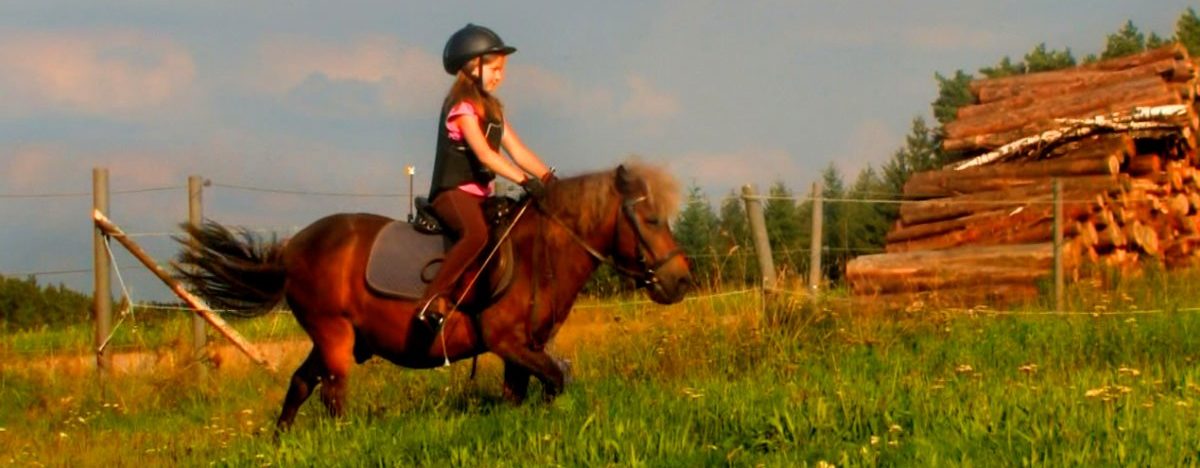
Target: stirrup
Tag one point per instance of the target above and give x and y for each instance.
(433, 319)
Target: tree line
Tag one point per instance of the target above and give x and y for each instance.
(856, 216)
(24, 304)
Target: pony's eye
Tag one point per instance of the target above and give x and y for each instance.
(652, 221)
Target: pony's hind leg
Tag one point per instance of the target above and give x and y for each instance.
(336, 344)
(304, 380)
(327, 365)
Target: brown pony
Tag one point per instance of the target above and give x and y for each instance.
(617, 217)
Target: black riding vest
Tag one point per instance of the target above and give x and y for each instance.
(455, 163)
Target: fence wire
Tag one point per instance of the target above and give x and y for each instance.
(791, 253)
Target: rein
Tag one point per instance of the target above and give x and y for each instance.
(645, 277)
(471, 284)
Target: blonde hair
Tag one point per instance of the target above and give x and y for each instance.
(466, 88)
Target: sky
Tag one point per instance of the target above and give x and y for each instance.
(290, 107)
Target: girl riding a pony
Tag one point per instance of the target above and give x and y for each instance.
(471, 132)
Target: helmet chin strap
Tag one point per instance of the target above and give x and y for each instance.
(477, 77)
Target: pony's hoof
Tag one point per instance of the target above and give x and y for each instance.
(432, 320)
(564, 365)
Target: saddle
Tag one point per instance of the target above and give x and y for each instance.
(406, 255)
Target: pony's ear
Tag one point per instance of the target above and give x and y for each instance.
(625, 180)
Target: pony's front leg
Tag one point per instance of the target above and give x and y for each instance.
(520, 363)
(516, 382)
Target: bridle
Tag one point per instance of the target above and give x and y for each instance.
(646, 273)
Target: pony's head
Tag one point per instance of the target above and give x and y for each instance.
(631, 206)
(644, 245)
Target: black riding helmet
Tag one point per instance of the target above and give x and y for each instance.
(469, 42)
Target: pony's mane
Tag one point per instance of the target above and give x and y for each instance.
(583, 197)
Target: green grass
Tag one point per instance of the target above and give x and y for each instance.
(142, 329)
(702, 383)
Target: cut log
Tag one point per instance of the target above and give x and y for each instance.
(999, 295)
(901, 233)
(980, 267)
(1144, 164)
(1169, 52)
(1120, 145)
(1142, 237)
(1008, 97)
(1086, 234)
(1193, 201)
(1008, 133)
(1017, 176)
(983, 276)
(1173, 50)
(1181, 226)
(1027, 225)
(1109, 238)
(1178, 205)
(1094, 101)
(936, 262)
(1075, 194)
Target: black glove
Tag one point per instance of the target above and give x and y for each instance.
(534, 187)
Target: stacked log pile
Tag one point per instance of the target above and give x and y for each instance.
(1119, 135)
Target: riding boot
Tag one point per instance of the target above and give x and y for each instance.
(433, 312)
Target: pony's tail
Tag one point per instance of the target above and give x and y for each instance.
(235, 272)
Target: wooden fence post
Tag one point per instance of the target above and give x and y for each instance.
(818, 216)
(1058, 246)
(410, 170)
(758, 230)
(102, 291)
(196, 218)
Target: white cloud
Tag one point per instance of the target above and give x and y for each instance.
(96, 72)
(39, 168)
(871, 142)
(948, 37)
(732, 170)
(646, 102)
(544, 89)
(28, 168)
(636, 100)
(407, 78)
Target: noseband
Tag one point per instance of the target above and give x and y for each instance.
(647, 274)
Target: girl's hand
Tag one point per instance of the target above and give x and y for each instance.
(534, 187)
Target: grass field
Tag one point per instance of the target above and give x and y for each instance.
(712, 381)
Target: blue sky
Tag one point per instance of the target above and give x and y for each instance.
(340, 96)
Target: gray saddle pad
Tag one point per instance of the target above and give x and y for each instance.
(403, 261)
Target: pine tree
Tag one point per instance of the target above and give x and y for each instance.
(787, 229)
(737, 259)
(1154, 41)
(1040, 59)
(869, 219)
(835, 239)
(1187, 31)
(696, 232)
(1004, 68)
(1126, 41)
(922, 151)
(953, 93)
